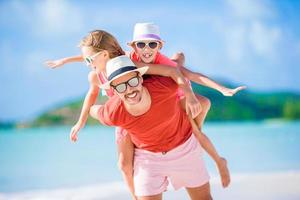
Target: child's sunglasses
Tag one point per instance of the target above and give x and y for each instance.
(89, 59)
(142, 45)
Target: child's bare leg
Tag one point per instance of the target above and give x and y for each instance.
(205, 104)
(125, 154)
(220, 161)
(179, 58)
(201, 137)
(210, 149)
(94, 111)
(125, 162)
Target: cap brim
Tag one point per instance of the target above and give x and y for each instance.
(141, 70)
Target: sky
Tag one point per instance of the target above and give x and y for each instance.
(247, 42)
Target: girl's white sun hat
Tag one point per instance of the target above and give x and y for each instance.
(145, 31)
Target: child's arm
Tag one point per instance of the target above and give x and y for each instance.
(192, 104)
(89, 100)
(63, 61)
(204, 80)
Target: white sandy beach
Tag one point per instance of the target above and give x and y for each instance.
(267, 186)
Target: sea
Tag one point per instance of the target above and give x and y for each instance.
(41, 160)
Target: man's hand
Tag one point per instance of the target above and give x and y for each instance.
(192, 105)
(231, 92)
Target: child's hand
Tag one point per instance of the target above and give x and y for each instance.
(55, 63)
(231, 92)
(74, 131)
(192, 106)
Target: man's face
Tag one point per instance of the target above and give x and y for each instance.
(129, 88)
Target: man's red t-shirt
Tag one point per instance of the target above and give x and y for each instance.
(163, 127)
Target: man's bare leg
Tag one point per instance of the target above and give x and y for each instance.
(154, 197)
(200, 193)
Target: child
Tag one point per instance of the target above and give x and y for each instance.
(146, 45)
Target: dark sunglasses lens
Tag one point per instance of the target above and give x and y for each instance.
(152, 45)
(88, 60)
(121, 87)
(141, 45)
(133, 82)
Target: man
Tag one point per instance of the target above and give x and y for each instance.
(166, 149)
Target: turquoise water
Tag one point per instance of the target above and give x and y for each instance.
(44, 158)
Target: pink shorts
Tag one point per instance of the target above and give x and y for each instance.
(183, 166)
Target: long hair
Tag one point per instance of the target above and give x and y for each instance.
(101, 40)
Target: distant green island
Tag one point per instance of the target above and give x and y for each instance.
(244, 106)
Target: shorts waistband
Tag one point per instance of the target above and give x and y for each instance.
(187, 144)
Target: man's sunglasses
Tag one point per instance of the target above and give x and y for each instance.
(89, 59)
(122, 87)
(142, 45)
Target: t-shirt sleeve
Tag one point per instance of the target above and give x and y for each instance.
(164, 60)
(103, 116)
(107, 112)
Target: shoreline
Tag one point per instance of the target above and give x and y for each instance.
(246, 186)
(19, 126)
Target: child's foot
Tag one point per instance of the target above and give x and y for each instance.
(224, 172)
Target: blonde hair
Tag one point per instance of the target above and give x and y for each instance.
(99, 40)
